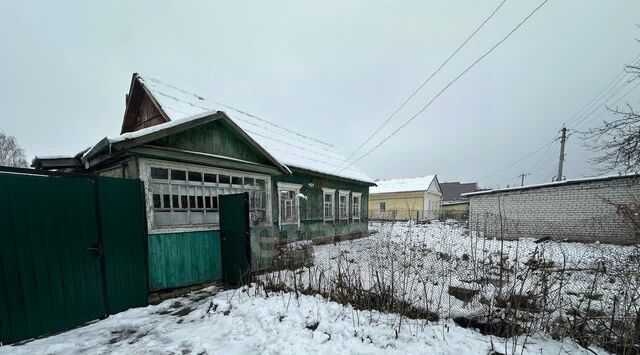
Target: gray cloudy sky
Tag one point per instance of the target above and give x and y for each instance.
(331, 70)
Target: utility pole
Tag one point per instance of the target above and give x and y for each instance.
(563, 140)
(522, 176)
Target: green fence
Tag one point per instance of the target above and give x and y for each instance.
(72, 249)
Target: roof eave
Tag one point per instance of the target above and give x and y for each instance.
(115, 147)
(255, 144)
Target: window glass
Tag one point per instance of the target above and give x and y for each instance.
(195, 176)
(328, 206)
(288, 206)
(178, 175)
(214, 202)
(159, 173)
(356, 207)
(210, 178)
(344, 210)
(156, 201)
(182, 197)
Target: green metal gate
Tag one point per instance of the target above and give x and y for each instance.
(72, 249)
(234, 238)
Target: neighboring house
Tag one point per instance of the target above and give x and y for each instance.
(189, 150)
(406, 198)
(453, 203)
(603, 209)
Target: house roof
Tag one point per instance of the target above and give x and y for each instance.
(420, 183)
(452, 191)
(555, 184)
(290, 148)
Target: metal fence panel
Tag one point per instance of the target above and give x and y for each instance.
(124, 242)
(48, 280)
(72, 249)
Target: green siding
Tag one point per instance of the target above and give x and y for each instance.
(264, 239)
(214, 138)
(182, 259)
(311, 208)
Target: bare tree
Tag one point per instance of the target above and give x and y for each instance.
(11, 154)
(617, 141)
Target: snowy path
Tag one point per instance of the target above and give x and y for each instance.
(241, 322)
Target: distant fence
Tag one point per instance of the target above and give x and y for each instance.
(443, 268)
(416, 215)
(72, 249)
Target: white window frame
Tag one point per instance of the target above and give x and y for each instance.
(342, 193)
(354, 216)
(331, 192)
(145, 166)
(295, 188)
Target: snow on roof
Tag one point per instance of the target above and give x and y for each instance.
(420, 183)
(288, 147)
(555, 183)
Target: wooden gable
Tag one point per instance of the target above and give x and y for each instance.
(142, 110)
(217, 138)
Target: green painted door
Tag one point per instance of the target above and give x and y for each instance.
(50, 272)
(234, 238)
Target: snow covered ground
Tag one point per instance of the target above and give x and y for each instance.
(555, 283)
(424, 260)
(245, 321)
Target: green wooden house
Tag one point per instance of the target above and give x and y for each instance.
(188, 150)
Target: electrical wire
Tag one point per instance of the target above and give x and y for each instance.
(421, 85)
(450, 83)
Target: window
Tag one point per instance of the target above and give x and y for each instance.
(185, 197)
(382, 206)
(355, 206)
(343, 202)
(288, 201)
(328, 203)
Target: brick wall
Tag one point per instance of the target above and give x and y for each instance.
(584, 211)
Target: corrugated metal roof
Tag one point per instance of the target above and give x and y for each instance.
(288, 147)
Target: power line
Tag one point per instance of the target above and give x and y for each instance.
(614, 103)
(607, 89)
(449, 84)
(552, 150)
(519, 160)
(422, 85)
(544, 155)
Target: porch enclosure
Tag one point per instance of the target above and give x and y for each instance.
(72, 249)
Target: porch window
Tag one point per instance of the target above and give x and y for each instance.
(355, 206)
(189, 197)
(289, 203)
(343, 201)
(328, 197)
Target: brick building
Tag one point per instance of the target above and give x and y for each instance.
(601, 209)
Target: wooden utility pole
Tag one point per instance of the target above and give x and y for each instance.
(563, 139)
(522, 176)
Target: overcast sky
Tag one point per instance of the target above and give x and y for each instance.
(330, 70)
